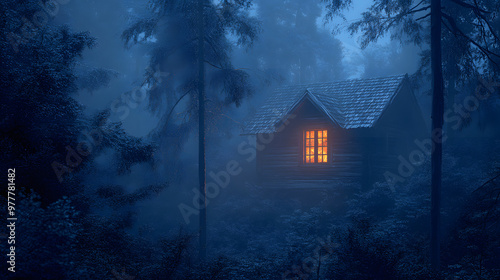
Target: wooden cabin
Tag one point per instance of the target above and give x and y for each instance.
(318, 134)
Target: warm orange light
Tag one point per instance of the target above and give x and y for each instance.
(312, 139)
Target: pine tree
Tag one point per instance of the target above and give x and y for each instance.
(479, 46)
(179, 35)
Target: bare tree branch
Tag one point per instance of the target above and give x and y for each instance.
(469, 6)
(423, 17)
(457, 31)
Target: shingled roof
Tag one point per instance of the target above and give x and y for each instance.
(350, 103)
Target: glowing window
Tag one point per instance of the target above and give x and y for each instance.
(315, 146)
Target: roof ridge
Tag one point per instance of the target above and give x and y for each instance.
(342, 81)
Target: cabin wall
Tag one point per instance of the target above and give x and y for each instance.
(361, 156)
(281, 160)
(395, 133)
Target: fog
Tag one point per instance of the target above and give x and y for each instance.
(130, 100)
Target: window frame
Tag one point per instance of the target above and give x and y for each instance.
(303, 147)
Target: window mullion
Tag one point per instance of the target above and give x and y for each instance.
(316, 146)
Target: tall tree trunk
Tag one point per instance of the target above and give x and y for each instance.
(201, 123)
(437, 129)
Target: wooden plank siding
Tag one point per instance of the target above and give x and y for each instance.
(359, 155)
(281, 162)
